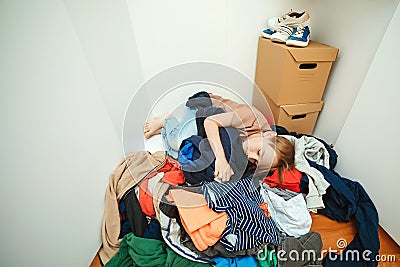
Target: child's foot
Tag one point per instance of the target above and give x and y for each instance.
(154, 126)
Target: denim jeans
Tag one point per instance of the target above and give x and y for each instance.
(177, 129)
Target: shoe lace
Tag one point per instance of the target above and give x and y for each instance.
(299, 31)
(285, 29)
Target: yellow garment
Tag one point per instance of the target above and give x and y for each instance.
(203, 225)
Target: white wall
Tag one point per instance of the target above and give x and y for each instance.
(58, 140)
(368, 144)
(356, 28)
(223, 31)
(109, 45)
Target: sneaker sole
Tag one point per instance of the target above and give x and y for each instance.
(268, 36)
(278, 40)
(298, 43)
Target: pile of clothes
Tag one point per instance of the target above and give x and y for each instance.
(165, 209)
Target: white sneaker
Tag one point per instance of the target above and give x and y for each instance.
(300, 37)
(267, 33)
(282, 34)
(292, 19)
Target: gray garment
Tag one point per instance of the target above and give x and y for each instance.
(305, 149)
(307, 247)
(291, 216)
(219, 250)
(283, 193)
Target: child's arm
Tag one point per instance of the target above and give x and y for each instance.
(223, 170)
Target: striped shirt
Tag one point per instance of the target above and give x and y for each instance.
(247, 226)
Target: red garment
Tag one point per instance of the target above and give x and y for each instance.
(146, 199)
(291, 180)
(172, 174)
(174, 177)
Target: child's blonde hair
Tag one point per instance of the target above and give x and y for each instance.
(285, 153)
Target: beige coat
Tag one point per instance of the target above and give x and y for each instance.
(129, 172)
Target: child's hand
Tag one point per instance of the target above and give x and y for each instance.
(223, 170)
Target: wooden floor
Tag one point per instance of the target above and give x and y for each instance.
(334, 233)
(96, 262)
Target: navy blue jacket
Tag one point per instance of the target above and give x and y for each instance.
(344, 200)
(198, 160)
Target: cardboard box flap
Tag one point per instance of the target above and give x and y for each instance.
(314, 52)
(299, 109)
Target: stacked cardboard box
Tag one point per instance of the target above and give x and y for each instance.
(291, 82)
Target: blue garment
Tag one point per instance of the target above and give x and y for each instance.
(185, 156)
(304, 184)
(247, 226)
(198, 160)
(153, 230)
(240, 261)
(343, 200)
(125, 228)
(125, 225)
(177, 128)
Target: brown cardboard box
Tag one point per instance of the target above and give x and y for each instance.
(299, 118)
(293, 75)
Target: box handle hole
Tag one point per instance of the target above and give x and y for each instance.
(301, 116)
(307, 66)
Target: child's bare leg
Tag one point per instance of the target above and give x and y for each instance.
(154, 125)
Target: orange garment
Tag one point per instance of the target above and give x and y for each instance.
(172, 175)
(264, 207)
(204, 226)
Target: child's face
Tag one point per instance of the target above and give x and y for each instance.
(261, 150)
(254, 147)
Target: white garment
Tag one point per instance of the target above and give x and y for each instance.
(153, 181)
(316, 151)
(171, 233)
(291, 216)
(310, 148)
